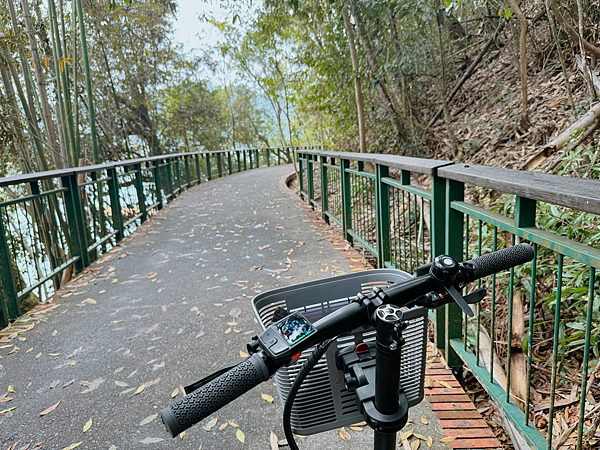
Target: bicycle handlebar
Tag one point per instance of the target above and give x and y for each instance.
(232, 384)
(214, 395)
(501, 260)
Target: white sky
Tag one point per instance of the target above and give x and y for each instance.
(188, 27)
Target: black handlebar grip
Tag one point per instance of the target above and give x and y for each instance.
(501, 260)
(214, 395)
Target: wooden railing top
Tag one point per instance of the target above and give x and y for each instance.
(38, 176)
(419, 165)
(576, 193)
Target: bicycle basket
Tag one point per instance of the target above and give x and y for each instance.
(323, 403)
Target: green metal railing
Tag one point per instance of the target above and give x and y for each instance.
(540, 322)
(52, 220)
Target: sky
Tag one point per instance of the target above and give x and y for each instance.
(187, 26)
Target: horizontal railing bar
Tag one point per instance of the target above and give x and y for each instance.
(419, 165)
(35, 176)
(570, 249)
(425, 193)
(314, 202)
(32, 197)
(101, 241)
(98, 181)
(331, 166)
(361, 174)
(41, 281)
(372, 249)
(332, 217)
(576, 193)
(133, 219)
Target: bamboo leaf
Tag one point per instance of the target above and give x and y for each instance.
(240, 435)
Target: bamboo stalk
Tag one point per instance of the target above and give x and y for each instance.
(88, 80)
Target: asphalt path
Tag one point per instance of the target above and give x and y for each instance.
(167, 307)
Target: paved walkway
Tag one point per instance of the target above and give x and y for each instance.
(168, 306)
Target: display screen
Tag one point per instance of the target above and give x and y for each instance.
(294, 328)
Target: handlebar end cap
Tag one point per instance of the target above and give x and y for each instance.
(170, 421)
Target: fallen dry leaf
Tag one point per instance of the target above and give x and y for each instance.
(7, 410)
(150, 440)
(148, 419)
(267, 398)
(445, 384)
(91, 386)
(244, 354)
(49, 410)
(223, 426)
(174, 393)
(448, 439)
(72, 446)
(429, 441)
(414, 445)
(240, 435)
(212, 422)
(345, 436)
(87, 425)
(11, 389)
(424, 421)
(273, 441)
(140, 389)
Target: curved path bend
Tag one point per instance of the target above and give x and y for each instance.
(166, 307)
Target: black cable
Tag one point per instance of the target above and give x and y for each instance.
(308, 365)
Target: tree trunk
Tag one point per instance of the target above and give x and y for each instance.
(360, 107)
(88, 81)
(470, 71)
(386, 98)
(583, 62)
(560, 56)
(593, 50)
(522, 61)
(41, 84)
(447, 119)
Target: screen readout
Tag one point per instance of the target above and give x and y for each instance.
(294, 328)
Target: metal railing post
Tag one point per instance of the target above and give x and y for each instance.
(454, 247)
(178, 174)
(10, 306)
(268, 158)
(229, 164)
(257, 158)
(188, 175)
(309, 176)
(278, 156)
(324, 189)
(169, 178)
(75, 219)
(346, 199)
(208, 168)
(239, 160)
(382, 202)
(139, 186)
(198, 174)
(301, 175)
(115, 202)
(438, 246)
(157, 184)
(220, 164)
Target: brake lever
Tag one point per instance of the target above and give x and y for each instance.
(460, 300)
(475, 297)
